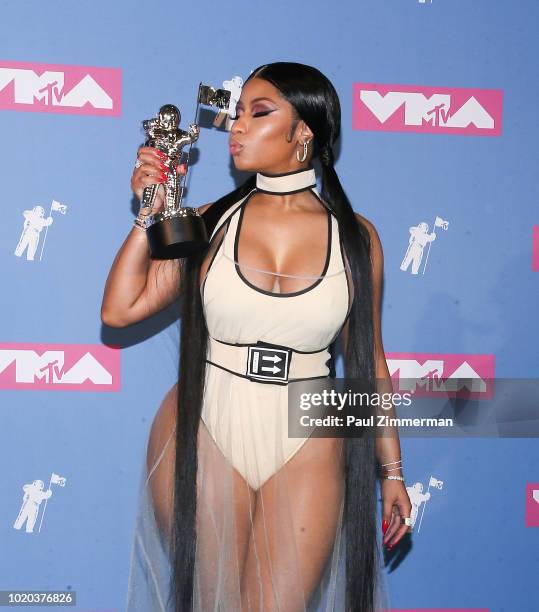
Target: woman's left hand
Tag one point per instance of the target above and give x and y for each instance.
(395, 505)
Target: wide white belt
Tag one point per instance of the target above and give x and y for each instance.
(266, 362)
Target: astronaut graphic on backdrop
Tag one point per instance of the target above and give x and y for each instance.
(34, 222)
(417, 497)
(234, 86)
(419, 238)
(33, 496)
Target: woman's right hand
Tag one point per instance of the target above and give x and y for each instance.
(152, 171)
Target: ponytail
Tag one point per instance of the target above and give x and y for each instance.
(360, 463)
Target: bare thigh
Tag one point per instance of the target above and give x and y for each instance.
(160, 461)
(225, 502)
(295, 523)
(226, 506)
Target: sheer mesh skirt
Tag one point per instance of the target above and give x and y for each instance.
(270, 529)
(275, 548)
(264, 542)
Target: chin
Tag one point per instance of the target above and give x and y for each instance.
(243, 166)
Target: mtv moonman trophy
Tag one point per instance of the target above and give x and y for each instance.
(177, 231)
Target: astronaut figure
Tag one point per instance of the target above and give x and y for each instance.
(164, 133)
(34, 222)
(419, 237)
(417, 497)
(235, 86)
(33, 496)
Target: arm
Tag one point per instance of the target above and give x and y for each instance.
(388, 446)
(137, 286)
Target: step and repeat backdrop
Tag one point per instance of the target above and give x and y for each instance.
(438, 150)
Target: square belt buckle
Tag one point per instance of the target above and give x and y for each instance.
(268, 362)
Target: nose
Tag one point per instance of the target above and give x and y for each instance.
(238, 126)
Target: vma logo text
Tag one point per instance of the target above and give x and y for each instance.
(448, 374)
(54, 367)
(56, 88)
(434, 110)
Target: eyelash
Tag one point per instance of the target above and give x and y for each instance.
(260, 114)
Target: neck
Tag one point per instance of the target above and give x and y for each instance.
(288, 182)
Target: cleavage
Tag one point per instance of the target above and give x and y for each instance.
(281, 256)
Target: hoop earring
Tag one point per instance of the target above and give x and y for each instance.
(304, 157)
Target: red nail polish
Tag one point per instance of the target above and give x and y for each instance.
(163, 176)
(385, 525)
(160, 154)
(163, 166)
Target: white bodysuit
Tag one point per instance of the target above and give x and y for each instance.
(246, 417)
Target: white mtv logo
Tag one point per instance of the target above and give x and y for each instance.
(49, 368)
(412, 375)
(434, 109)
(48, 87)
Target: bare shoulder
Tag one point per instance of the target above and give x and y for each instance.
(376, 244)
(204, 207)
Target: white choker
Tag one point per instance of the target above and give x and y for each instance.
(290, 182)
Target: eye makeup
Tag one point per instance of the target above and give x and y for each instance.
(262, 113)
(259, 114)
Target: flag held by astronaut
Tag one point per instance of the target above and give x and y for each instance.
(439, 222)
(61, 208)
(58, 480)
(434, 482)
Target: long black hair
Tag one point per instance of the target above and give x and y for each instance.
(315, 101)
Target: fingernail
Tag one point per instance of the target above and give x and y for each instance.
(160, 154)
(385, 525)
(163, 176)
(163, 166)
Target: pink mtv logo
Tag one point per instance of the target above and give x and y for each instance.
(448, 374)
(434, 110)
(58, 88)
(535, 249)
(56, 367)
(532, 504)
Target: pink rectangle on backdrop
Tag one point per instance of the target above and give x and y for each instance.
(535, 249)
(60, 88)
(437, 369)
(59, 367)
(411, 108)
(532, 504)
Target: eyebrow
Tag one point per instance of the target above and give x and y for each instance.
(256, 100)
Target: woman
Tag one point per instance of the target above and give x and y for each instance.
(235, 514)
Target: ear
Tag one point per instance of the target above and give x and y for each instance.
(305, 133)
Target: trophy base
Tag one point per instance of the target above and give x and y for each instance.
(176, 235)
